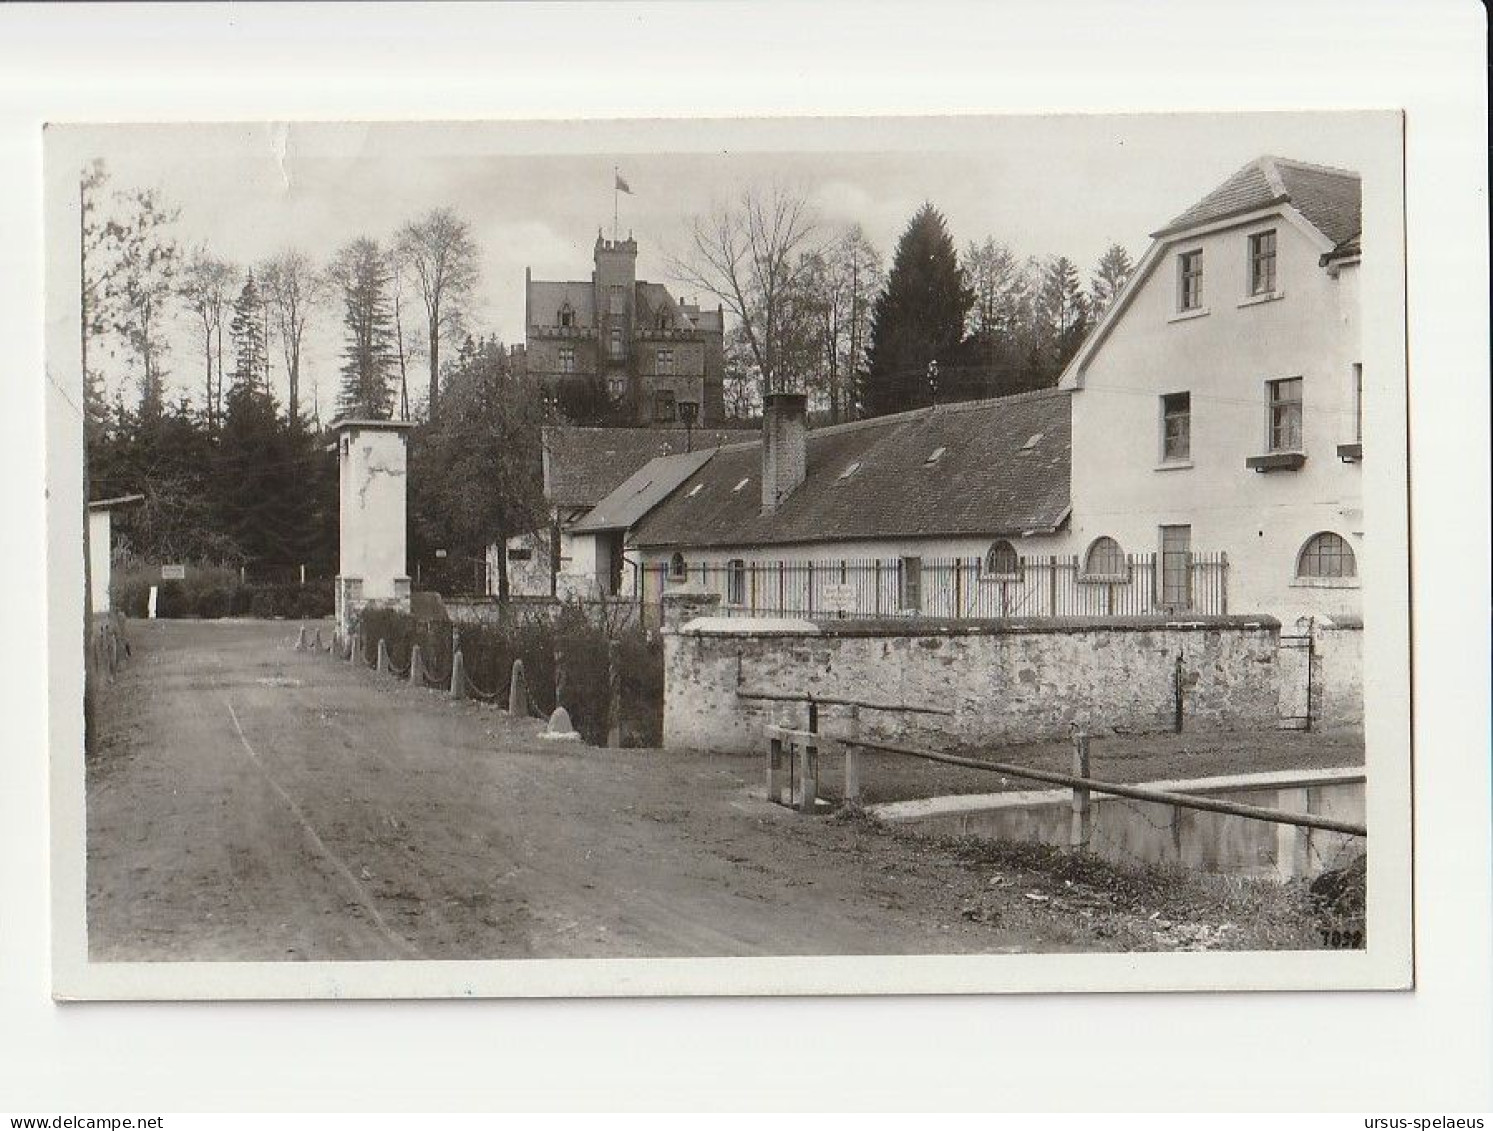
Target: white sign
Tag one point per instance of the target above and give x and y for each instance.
(838, 598)
(173, 573)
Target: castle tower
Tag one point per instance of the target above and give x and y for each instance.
(615, 280)
(373, 468)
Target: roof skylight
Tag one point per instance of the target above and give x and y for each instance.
(850, 470)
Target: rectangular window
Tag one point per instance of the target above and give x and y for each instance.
(736, 582)
(910, 599)
(616, 387)
(663, 361)
(663, 406)
(1285, 414)
(1190, 280)
(617, 300)
(1262, 263)
(689, 412)
(1176, 568)
(1357, 403)
(567, 359)
(1176, 426)
(615, 345)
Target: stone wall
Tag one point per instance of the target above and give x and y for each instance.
(1337, 674)
(1005, 681)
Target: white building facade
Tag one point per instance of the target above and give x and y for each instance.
(1217, 407)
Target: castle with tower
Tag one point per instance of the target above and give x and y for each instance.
(657, 360)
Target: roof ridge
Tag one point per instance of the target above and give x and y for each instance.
(1316, 166)
(1266, 164)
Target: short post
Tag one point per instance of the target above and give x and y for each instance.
(417, 666)
(614, 693)
(518, 692)
(300, 641)
(458, 676)
(853, 758)
(561, 663)
(1078, 837)
(382, 665)
(1177, 685)
(775, 767)
(808, 774)
(316, 643)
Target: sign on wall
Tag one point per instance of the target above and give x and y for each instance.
(838, 598)
(173, 573)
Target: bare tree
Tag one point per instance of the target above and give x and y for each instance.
(751, 257)
(206, 287)
(137, 268)
(292, 288)
(442, 255)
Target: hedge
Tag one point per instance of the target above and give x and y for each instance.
(209, 592)
(488, 652)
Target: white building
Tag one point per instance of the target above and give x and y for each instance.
(101, 548)
(1217, 404)
(1200, 455)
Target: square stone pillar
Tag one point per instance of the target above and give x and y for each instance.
(686, 602)
(373, 491)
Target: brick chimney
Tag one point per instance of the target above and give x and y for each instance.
(785, 434)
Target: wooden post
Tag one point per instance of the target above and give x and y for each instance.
(853, 758)
(300, 641)
(614, 693)
(417, 666)
(1078, 836)
(561, 662)
(458, 676)
(382, 664)
(1177, 685)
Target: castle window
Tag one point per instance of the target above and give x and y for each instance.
(567, 315)
(664, 410)
(567, 359)
(663, 361)
(617, 300)
(614, 345)
(616, 388)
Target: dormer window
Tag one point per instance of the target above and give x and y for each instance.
(1262, 263)
(934, 456)
(567, 315)
(850, 470)
(1190, 280)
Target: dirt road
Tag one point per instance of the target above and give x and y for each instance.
(251, 802)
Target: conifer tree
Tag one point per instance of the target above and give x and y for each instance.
(917, 323)
(364, 276)
(250, 350)
(1111, 274)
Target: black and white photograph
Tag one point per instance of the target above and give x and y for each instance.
(874, 540)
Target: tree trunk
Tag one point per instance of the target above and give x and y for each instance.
(435, 358)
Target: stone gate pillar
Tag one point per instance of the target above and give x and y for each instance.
(373, 476)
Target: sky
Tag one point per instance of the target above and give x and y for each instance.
(536, 194)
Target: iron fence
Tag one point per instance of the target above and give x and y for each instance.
(953, 588)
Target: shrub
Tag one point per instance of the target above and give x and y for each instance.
(488, 652)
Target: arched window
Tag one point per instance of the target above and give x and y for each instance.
(1326, 555)
(676, 568)
(1105, 558)
(1001, 560)
(567, 315)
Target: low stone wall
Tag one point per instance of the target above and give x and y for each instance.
(1004, 681)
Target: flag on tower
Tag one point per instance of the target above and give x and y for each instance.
(621, 185)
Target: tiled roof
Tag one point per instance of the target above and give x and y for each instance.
(1002, 468)
(643, 490)
(654, 299)
(1328, 198)
(584, 465)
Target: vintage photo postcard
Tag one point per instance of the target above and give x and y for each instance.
(728, 557)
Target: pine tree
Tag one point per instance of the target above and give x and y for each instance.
(1062, 318)
(364, 274)
(1112, 273)
(250, 350)
(917, 323)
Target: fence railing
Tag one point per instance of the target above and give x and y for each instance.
(955, 588)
